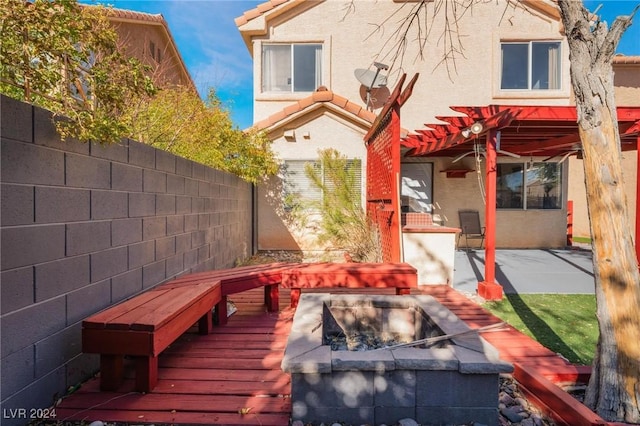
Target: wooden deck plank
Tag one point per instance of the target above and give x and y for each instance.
(209, 379)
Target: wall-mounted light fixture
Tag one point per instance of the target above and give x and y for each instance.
(475, 129)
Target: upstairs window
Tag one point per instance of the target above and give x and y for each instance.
(531, 66)
(291, 67)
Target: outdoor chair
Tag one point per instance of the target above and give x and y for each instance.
(471, 228)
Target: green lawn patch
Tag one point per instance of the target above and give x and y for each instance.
(564, 323)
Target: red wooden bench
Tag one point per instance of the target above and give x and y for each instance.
(237, 280)
(402, 276)
(144, 326)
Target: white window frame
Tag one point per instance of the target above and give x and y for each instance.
(319, 67)
(530, 44)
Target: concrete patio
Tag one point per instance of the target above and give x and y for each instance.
(528, 271)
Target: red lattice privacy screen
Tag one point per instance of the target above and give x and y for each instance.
(383, 174)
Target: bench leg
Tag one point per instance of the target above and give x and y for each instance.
(402, 291)
(205, 324)
(221, 311)
(111, 372)
(272, 297)
(146, 373)
(295, 297)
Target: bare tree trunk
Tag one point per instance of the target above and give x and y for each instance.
(614, 388)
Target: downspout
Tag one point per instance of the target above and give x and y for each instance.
(489, 289)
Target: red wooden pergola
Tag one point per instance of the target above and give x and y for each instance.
(520, 129)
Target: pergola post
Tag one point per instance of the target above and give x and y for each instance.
(489, 289)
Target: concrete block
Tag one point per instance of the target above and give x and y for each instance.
(46, 134)
(42, 393)
(203, 221)
(118, 152)
(141, 254)
(183, 243)
(154, 181)
(86, 172)
(442, 388)
(17, 289)
(395, 388)
(88, 300)
(456, 415)
(392, 415)
(165, 247)
(198, 239)
(204, 189)
(17, 327)
(107, 263)
(165, 204)
(199, 171)
(61, 204)
(125, 177)
(314, 390)
(191, 187)
(17, 204)
(175, 224)
(88, 237)
(22, 246)
(80, 367)
(61, 276)
(203, 253)
(126, 231)
(57, 349)
(17, 119)
(26, 163)
(198, 205)
(18, 370)
(353, 388)
(141, 204)
(175, 184)
(126, 285)
(142, 155)
(183, 204)
(183, 166)
(190, 259)
(190, 222)
(154, 227)
(153, 274)
(175, 265)
(109, 205)
(165, 161)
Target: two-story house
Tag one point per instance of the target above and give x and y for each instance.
(312, 64)
(147, 37)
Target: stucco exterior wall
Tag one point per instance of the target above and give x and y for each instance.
(350, 42)
(85, 226)
(348, 34)
(320, 130)
(166, 67)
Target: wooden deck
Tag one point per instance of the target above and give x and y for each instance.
(233, 376)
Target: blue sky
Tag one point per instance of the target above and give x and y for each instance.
(216, 56)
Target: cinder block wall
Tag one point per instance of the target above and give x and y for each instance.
(84, 226)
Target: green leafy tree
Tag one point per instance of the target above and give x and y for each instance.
(65, 58)
(178, 121)
(343, 223)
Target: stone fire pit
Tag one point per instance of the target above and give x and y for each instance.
(451, 382)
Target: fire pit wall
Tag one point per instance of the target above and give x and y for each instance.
(455, 382)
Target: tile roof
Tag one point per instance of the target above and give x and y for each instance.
(258, 11)
(626, 60)
(137, 16)
(320, 96)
